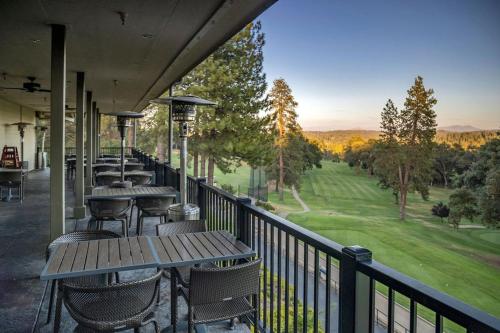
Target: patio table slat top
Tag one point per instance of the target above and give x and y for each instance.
(120, 254)
(126, 173)
(131, 192)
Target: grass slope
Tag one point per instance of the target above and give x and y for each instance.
(350, 208)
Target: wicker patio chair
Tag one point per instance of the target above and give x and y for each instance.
(104, 168)
(12, 180)
(106, 180)
(70, 237)
(134, 167)
(117, 307)
(109, 209)
(139, 179)
(70, 168)
(152, 206)
(223, 293)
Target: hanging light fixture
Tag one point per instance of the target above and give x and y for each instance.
(183, 112)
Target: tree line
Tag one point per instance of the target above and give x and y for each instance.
(337, 141)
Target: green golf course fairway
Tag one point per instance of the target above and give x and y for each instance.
(349, 208)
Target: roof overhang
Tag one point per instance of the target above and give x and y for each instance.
(145, 46)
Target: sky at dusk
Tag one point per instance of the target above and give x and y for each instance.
(344, 59)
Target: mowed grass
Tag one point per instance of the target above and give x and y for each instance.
(349, 208)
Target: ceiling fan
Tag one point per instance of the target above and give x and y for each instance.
(30, 86)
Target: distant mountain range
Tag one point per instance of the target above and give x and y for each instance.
(459, 128)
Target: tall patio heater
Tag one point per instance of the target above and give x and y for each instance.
(21, 126)
(42, 163)
(183, 112)
(123, 122)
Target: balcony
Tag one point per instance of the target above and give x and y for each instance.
(340, 291)
(308, 283)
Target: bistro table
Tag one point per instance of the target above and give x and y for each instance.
(132, 192)
(103, 159)
(93, 257)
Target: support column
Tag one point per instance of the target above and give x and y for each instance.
(94, 130)
(170, 129)
(98, 134)
(89, 144)
(57, 137)
(79, 209)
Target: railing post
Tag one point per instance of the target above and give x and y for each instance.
(157, 170)
(242, 229)
(355, 301)
(165, 173)
(200, 196)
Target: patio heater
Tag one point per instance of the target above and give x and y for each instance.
(21, 126)
(183, 112)
(123, 122)
(42, 160)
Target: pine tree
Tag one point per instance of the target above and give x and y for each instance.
(404, 153)
(284, 121)
(233, 77)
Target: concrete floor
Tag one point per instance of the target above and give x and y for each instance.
(24, 234)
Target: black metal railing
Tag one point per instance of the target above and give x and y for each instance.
(302, 270)
(115, 151)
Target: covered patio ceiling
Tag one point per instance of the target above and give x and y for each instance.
(144, 45)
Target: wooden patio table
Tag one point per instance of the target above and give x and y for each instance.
(133, 192)
(93, 257)
(127, 173)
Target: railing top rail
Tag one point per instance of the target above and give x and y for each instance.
(225, 194)
(311, 238)
(463, 314)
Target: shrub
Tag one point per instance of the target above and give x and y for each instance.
(266, 205)
(228, 188)
(440, 210)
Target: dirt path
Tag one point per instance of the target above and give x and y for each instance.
(300, 201)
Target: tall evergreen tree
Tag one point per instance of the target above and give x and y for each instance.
(404, 159)
(284, 121)
(233, 77)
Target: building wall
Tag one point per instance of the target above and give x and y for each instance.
(9, 135)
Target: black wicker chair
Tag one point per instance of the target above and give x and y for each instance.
(12, 180)
(106, 179)
(139, 179)
(152, 206)
(70, 237)
(225, 293)
(109, 209)
(117, 307)
(105, 168)
(134, 167)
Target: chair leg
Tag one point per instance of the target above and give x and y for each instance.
(190, 319)
(124, 227)
(173, 300)
(51, 300)
(57, 319)
(138, 223)
(157, 328)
